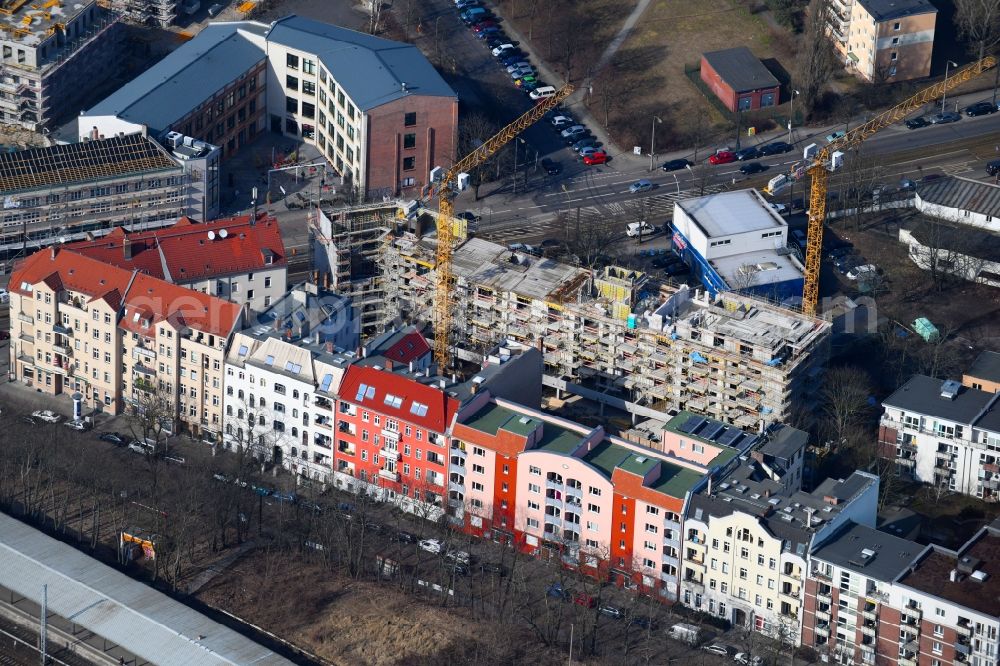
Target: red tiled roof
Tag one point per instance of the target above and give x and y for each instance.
(410, 347)
(73, 271)
(155, 300)
(440, 407)
(183, 251)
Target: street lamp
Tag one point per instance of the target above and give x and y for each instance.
(791, 114)
(652, 141)
(944, 92)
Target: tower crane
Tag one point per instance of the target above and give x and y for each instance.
(445, 190)
(822, 162)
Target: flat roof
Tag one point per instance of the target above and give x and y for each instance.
(922, 394)
(113, 606)
(768, 266)
(32, 22)
(986, 366)
(869, 551)
(492, 418)
(556, 439)
(884, 10)
(933, 574)
(66, 164)
(741, 69)
(194, 72)
(676, 481)
(373, 71)
(731, 213)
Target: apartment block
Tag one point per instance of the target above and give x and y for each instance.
(942, 433)
(283, 372)
(884, 40)
(118, 337)
(747, 544)
(948, 604)
(655, 348)
(850, 616)
(382, 117)
(49, 50)
(69, 192)
(241, 258)
(394, 420)
(984, 373)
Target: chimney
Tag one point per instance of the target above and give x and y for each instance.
(474, 388)
(388, 365)
(411, 366)
(709, 484)
(288, 334)
(443, 384)
(127, 247)
(315, 277)
(52, 251)
(329, 345)
(277, 324)
(427, 371)
(316, 338)
(364, 352)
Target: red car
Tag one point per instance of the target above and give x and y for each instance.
(487, 23)
(596, 158)
(722, 157)
(585, 600)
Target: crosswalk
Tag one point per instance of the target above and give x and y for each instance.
(654, 208)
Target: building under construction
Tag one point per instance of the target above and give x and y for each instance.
(619, 337)
(65, 192)
(54, 53)
(156, 13)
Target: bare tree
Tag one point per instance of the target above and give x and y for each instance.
(474, 129)
(744, 277)
(817, 62)
(979, 22)
(591, 241)
(375, 8)
(845, 401)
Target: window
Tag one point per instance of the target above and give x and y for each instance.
(534, 488)
(936, 648)
(896, 25)
(409, 163)
(291, 82)
(308, 88)
(534, 470)
(533, 505)
(291, 105)
(532, 522)
(292, 61)
(596, 492)
(308, 66)
(893, 56)
(478, 469)
(593, 508)
(652, 529)
(409, 119)
(409, 141)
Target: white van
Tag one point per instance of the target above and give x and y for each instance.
(542, 93)
(634, 229)
(777, 184)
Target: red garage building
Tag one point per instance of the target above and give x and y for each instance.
(739, 79)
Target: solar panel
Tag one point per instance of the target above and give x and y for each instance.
(692, 424)
(729, 437)
(713, 431)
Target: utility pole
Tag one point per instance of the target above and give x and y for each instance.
(944, 92)
(791, 115)
(44, 623)
(652, 142)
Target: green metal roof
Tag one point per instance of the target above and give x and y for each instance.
(605, 457)
(676, 481)
(637, 464)
(558, 440)
(493, 418)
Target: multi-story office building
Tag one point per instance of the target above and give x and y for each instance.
(53, 54)
(944, 434)
(118, 336)
(884, 40)
(377, 110)
(239, 258)
(850, 616)
(283, 373)
(732, 357)
(747, 543)
(66, 192)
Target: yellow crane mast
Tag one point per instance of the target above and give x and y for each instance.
(820, 167)
(445, 190)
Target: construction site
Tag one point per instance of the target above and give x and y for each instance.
(50, 49)
(614, 335)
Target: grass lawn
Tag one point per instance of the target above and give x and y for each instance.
(651, 64)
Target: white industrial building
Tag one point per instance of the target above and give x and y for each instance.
(962, 200)
(735, 241)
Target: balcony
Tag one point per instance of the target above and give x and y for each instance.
(823, 629)
(346, 448)
(823, 594)
(389, 454)
(964, 627)
(27, 319)
(388, 475)
(345, 427)
(456, 487)
(62, 330)
(64, 351)
(823, 614)
(554, 485)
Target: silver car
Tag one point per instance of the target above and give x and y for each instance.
(573, 131)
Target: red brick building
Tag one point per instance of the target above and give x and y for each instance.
(739, 79)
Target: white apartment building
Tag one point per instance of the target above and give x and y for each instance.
(945, 434)
(281, 380)
(746, 546)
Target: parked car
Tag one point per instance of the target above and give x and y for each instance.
(640, 186)
(675, 165)
(719, 649)
(775, 148)
(587, 150)
(474, 15)
(135, 446)
(752, 168)
(572, 131)
(458, 556)
(749, 153)
(862, 271)
(215, 10)
(543, 92)
(993, 167)
(557, 590)
(611, 611)
(502, 49)
(488, 31)
(30, 420)
(521, 72)
(585, 600)
(520, 64)
(643, 622)
(493, 568)
(916, 123)
(633, 229)
(78, 424)
(744, 659)
(799, 238)
(582, 144)
(463, 5)
(562, 121)
(46, 415)
(980, 109)
(485, 23)
(779, 208)
(907, 185)
(597, 158)
(946, 117)
(838, 252)
(722, 157)
(115, 438)
(551, 167)
(833, 136)
(459, 568)
(430, 545)
(403, 536)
